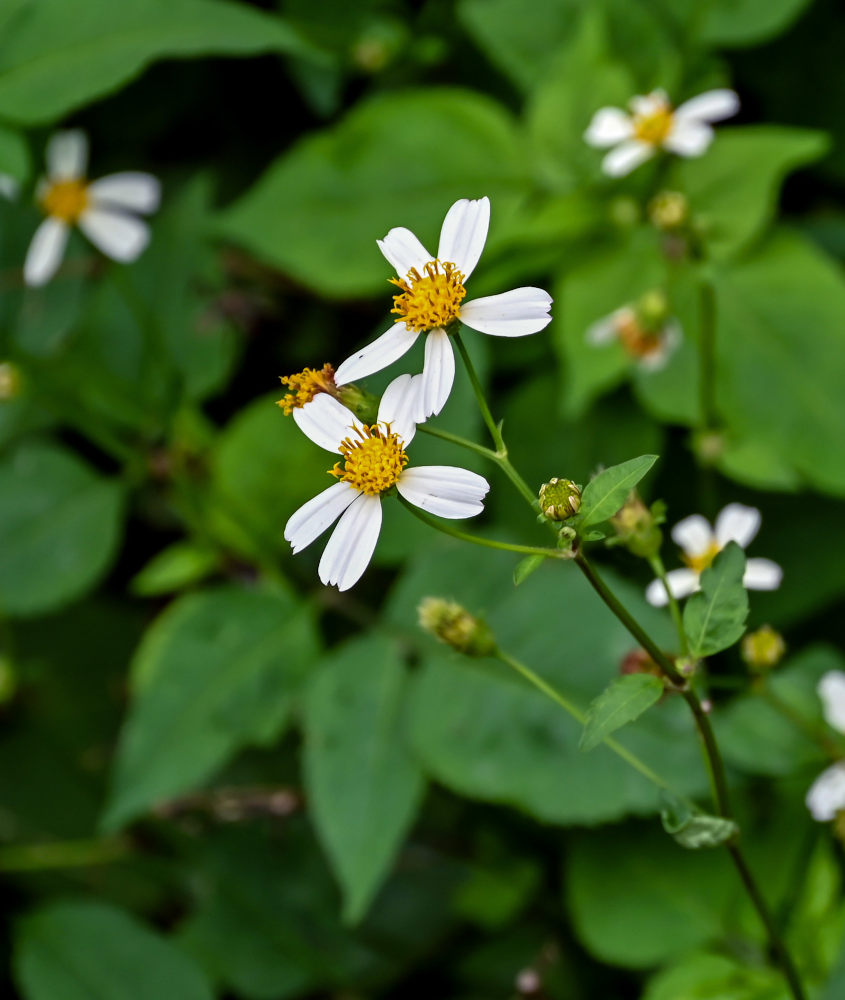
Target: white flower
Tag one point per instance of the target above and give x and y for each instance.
(102, 209)
(431, 299)
(375, 461)
(650, 348)
(653, 124)
(701, 544)
(826, 796)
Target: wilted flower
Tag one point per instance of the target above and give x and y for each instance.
(826, 797)
(653, 124)
(645, 331)
(701, 544)
(374, 462)
(304, 386)
(432, 290)
(103, 210)
(453, 624)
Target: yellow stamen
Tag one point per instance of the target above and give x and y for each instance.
(638, 342)
(305, 385)
(703, 560)
(374, 459)
(653, 128)
(429, 300)
(65, 200)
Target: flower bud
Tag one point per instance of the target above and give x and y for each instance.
(10, 381)
(668, 210)
(560, 499)
(636, 527)
(453, 624)
(652, 310)
(362, 403)
(763, 649)
(638, 661)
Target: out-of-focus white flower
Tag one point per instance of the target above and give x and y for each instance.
(826, 796)
(374, 462)
(432, 293)
(105, 210)
(701, 544)
(654, 124)
(650, 348)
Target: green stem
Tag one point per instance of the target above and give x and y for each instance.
(490, 543)
(830, 747)
(659, 571)
(492, 426)
(707, 357)
(462, 442)
(61, 854)
(581, 717)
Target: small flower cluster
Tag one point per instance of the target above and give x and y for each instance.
(374, 458)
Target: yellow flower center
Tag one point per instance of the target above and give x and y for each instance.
(304, 386)
(638, 342)
(703, 560)
(374, 458)
(429, 300)
(655, 127)
(65, 200)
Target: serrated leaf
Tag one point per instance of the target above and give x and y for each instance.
(622, 702)
(605, 493)
(525, 567)
(94, 951)
(714, 618)
(363, 786)
(694, 830)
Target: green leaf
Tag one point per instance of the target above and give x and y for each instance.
(174, 568)
(746, 22)
(59, 528)
(362, 784)
(95, 46)
(94, 951)
(319, 209)
(217, 671)
(621, 702)
(733, 190)
(14, 155)
(605, 493)
(715, 977)
(695, 830)
(714, 619)
(525, 567)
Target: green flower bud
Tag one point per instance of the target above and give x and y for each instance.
(763, 649)
(10, 381)
(668, 210)
(636, 527)
(453, 624)
(652, 311)
(362, 403)
(560, 499)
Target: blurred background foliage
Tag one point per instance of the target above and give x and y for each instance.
(218, 779)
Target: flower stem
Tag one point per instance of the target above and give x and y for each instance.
(490, 543)
(492, 426)
(462, 442)
(707, 357)
(61, 854)
(659, 571)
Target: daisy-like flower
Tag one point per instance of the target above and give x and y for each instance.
(654, 124)
(374, 461)
(826, 797)
(650, 346)
(103, 210)
(431, 299)
(701, 544)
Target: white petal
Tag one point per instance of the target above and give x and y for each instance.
(121, 237)
(351, 545)
(444, 490)
(511, 314)
(389, 347)
(464, 233)
(681, 582)
(762, 574)
(826, 796)
(626, 157)
(312, 518)
(67, 155)
(438, 374)
(326, 421)
(608, 127)
(693, 534)
(45, 251)
(404, 251)
(831, 689)
(603, 331)
(737, 523)
(400, 406)
(711, 106)
(132, 190)
(9, 187)
(649, 104)
(688, 138)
